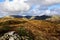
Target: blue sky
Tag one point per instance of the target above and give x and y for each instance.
(53, 6)
(1, 0)
(32, 7)
(4, 0)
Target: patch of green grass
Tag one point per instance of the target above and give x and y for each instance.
(23, 32)
(4, 30)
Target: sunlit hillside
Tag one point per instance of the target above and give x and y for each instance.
(33, 29)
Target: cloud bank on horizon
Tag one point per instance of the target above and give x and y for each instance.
(29, 7)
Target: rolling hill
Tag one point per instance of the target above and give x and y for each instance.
(33, 29)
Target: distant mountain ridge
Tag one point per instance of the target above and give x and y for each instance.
(28, 17)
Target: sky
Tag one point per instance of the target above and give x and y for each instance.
(29, 7)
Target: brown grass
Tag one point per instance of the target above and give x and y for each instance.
(41, 29)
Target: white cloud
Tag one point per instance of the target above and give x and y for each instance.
(44, 2)
(15, 5)
(51, 13)
(49, 2)
(39, 11)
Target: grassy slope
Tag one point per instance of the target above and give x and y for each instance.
(41, 29)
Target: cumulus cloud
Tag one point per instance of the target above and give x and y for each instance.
(37, 10)
(15, 5)
(29, 7)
